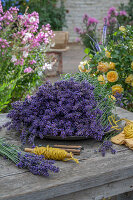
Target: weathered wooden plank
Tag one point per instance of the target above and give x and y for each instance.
(103, 191)
(93, 172)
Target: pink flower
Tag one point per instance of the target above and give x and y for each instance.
(123, 13)
(1, 9)
(28, 96)
(32, 62)
(112, 11)
(113, 20)
(92, 20)
(28, 70)
(77, 40)
(85, 17)
(77, 30)
(19, 62)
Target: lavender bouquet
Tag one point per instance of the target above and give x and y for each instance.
(37, 165)
(67, 108)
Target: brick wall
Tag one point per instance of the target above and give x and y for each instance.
(94, 8)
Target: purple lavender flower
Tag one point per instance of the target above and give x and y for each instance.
(106, 146)
(58, 110)
(37, 165)
(119, 98)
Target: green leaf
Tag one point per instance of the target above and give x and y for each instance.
(90, 55)
(87, 51)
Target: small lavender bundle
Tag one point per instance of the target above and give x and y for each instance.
(37, 165)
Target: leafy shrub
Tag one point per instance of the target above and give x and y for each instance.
(129, 9)
(67, 108)
(114, 65)
(22, 51)
(49, 12)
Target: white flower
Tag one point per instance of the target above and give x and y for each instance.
(47, 66)
(14, 59)
(25, 54)
(27, 36)
(32, 19)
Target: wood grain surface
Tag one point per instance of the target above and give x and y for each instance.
(94, 177)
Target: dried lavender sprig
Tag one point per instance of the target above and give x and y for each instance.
(106, 146)
(34, 163)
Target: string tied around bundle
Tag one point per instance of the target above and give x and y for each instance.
(128, 129)
(52, 153)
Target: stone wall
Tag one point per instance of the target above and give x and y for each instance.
(94, 8)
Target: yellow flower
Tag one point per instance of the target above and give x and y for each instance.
(102, 67)
(112, 97)
(117, 88)
(112, 76)
(132, 84)
(82, 68)
(111, 65)
(107, 54)
(101, 79)
(132, 65)
(122, 28)
(129, 79)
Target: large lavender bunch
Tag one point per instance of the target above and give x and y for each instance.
(101, 93)
(67, 108)
(34, 163)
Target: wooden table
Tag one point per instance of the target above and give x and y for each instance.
(93, 178)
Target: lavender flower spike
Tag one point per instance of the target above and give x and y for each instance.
(104, 32)
(96, 44)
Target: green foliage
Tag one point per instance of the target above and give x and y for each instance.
(120, 54)
(129, 9)
(49, 13)
(6, 90)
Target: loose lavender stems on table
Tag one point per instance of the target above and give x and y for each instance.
(37, 165)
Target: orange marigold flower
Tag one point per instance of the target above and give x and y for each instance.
(101, 79)
(117, 88)
(102, 67)
(112, 76)
(111, 65)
